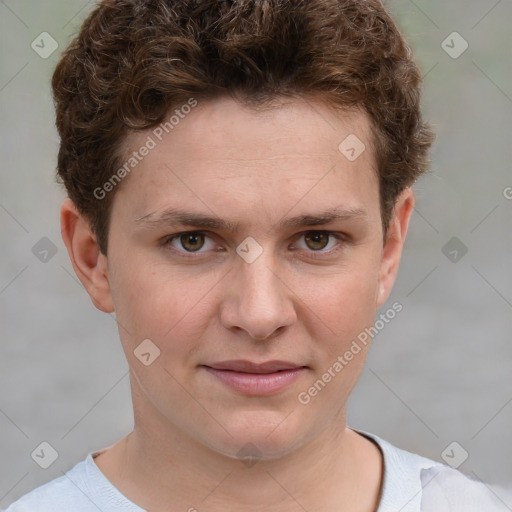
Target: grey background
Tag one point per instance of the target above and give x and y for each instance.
(440, 372)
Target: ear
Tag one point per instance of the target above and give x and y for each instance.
(89, 263)
(394, 242)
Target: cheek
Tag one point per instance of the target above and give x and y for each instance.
(161, 304)
(344, 302)
(341, 310)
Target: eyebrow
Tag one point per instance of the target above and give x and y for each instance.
(176, 217)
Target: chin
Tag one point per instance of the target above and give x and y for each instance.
(261, 436)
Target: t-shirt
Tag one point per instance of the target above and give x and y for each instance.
(411, 483)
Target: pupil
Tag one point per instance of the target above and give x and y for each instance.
(317, 239)
(192, 242)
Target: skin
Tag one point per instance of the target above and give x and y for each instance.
(298, 301)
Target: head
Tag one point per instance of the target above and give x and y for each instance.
(277, 123)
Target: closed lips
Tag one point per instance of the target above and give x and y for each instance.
(255, 368)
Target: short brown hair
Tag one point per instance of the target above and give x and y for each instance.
(134, 60)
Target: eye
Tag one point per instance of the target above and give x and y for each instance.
(315, 243)
(322, 241)
(190, 241)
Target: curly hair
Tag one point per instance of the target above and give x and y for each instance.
(134, 60)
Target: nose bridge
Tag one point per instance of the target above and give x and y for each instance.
(262, 304)
(258, 279)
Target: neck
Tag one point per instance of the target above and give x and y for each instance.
(157, 465)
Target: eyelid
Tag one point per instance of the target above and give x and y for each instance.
(166, 242)
(340, 237)
(342, 240)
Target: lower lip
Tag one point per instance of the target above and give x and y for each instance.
(259, 384)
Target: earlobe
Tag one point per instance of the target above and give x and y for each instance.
(395, 238)
(89, 263)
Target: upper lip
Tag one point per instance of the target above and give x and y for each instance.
(240, 365)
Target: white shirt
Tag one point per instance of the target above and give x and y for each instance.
(411, 483)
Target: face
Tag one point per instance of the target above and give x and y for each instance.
(248, 248)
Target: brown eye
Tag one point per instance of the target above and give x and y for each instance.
(192, 241)
(190, 244)
(317, 240)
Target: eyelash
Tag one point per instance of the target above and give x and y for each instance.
(340, 237)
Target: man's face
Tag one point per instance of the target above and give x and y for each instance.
(264, 285)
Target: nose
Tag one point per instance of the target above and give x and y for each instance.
(258, 300)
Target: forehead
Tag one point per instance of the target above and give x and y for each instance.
(221, 151)
(252, 133)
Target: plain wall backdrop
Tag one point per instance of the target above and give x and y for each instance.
(440, 372)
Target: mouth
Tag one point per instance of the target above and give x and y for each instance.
(249, 378)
